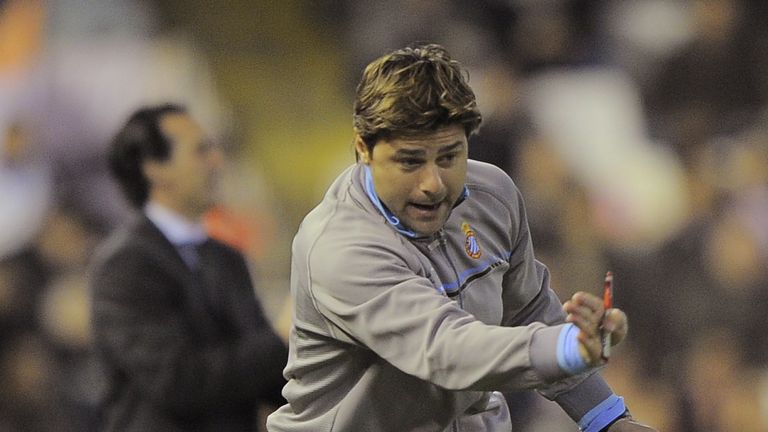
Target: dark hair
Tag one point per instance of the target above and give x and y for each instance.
(413, 91)
(138, 141)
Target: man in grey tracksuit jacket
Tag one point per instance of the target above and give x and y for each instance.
(396, 330)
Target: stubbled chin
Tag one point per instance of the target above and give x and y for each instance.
(427, 231)
(426, 224)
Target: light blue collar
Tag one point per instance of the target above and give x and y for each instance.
(392, 219)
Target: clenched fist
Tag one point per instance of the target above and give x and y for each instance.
(587, 313)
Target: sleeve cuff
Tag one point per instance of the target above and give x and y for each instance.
(568, 357)
(603, 414)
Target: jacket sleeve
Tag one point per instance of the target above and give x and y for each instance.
(262, 353)
(142, 326)
(527, 283)
(576, 394)
(373, 295)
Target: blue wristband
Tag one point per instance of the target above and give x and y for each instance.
(568, 357)
(602, 414)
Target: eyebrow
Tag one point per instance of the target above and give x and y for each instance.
(409, 152)
(453, 147)
(420, 152)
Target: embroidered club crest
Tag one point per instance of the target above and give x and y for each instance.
(470, 241)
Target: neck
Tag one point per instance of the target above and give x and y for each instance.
(191, 215)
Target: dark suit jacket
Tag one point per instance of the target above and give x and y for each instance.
(183, 350)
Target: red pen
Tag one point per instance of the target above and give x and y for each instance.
(607, 304)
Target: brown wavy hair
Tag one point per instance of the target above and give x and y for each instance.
(411, 92)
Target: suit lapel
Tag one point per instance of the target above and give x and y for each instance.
(193, 282)
(149, 235)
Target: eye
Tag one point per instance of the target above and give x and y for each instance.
(447, 159)
(410, 163)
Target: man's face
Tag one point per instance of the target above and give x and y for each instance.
(188, 181)
(419, 179)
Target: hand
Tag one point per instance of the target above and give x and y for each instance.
(586, 312)
(627, 424)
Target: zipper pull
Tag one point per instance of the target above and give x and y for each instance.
(438, 240)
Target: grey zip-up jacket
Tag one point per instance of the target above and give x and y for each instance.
(393, 333)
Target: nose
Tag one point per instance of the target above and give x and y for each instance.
(431, 182)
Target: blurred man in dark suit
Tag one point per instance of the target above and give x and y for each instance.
(176, 322)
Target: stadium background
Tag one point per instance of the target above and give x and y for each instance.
(636, 129)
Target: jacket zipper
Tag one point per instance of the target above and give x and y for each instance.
(459, 297)
(442, 244)
(444, 250)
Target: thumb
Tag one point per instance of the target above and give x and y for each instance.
(616, 322)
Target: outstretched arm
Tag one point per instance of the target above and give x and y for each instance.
(587, 313)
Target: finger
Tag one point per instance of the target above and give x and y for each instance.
(584, 310)
(584, 324)
(582, 306)
(616, 322)
(584, 318)
(593, 348)
(576, 308)
(588, 300)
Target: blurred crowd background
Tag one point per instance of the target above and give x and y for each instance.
(636, 129)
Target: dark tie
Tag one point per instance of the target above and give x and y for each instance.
(190, 255)
(198, 258)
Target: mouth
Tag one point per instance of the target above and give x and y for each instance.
(427, 207)
(426, 210)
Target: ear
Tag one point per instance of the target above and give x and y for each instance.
(153, 171)
(362, 150)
